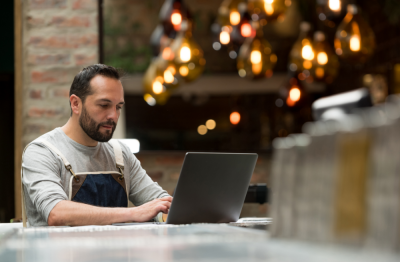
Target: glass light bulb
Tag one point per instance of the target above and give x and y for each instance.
(157, 87)
(322, 58)
(176, 18)
(269, 9)
(246, 30)
(307, 52)
(269, 1)
(234, 118)
(294, 94)
(255, 57)
(335, 5)
(224, 38)
(355, 43)
(168, 77)
(234, 18)
(183, 70)
(185, 54)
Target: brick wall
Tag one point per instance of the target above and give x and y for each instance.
(165, 167)
(60, 37)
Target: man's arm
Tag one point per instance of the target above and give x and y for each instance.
(69, 213)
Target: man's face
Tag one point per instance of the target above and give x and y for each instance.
(101, 110)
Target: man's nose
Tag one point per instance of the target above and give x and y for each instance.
(113, 114)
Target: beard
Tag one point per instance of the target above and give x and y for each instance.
(92, 128)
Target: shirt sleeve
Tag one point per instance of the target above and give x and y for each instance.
(42, 178)
(143, 189)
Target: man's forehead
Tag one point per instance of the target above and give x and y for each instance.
(105, 88)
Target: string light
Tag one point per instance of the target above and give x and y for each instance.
(224, 38)
(246, 30)
(294, 94)
(176, 18)
(335, 5)
(185, 54)
(157, 87)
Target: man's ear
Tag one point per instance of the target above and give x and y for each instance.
(76, 104)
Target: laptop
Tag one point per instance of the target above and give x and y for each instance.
(211, 188)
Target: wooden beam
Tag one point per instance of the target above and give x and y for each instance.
(18, 105)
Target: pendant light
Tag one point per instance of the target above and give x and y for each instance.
(155, 92)
(256, 59)
(172, 13)
(354, 39)
(188, 56)
(302, 53)
(329, 11)
(326, 63)
(270, 10)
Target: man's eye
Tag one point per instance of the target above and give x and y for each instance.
(103, 105)
(119, 107)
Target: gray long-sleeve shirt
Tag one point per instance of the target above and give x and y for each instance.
(46, 180)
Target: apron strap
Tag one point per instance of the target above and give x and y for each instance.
(119, 158)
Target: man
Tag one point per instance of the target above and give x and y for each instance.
(55, 194)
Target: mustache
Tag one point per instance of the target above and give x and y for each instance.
(107, 123)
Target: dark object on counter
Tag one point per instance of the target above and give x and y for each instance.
(337, 106)
(257, 193)
(211, 188)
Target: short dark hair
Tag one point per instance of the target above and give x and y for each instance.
(81, 84)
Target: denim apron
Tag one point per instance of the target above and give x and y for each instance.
(103, 188)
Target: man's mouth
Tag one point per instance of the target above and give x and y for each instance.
(107, 127)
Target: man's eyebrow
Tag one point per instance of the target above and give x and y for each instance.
(109, 101)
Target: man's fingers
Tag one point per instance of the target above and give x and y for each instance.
(168, 198)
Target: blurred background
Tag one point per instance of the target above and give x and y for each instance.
(199, 75)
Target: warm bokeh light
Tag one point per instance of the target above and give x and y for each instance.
(294, 94)
(149, 100)
(168, 77)
(269, 9)
(319, 72)
(185, 54)
(255, 57)
(322, 58)
(234, 118)
(256, 68)
(290, 102)
(335, 5)
(167, 54)
(246, 30)
(224, 38)
(176, 18)
(307, 64)
(157, 87)
(172, 69)
(202, 130)
(210, 124)
(159, 79)
(307, 52)
(355, 43)
(234, 18)
(183, 70)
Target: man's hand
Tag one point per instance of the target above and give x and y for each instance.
(69, 213)
(149, 210)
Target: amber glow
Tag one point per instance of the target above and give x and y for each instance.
(307, 52)
(234, 118)
(307, 64)
(202, 130)
(245, 30)
(171, 69)
(157, 87)
(160, 79)
(322, 58)
(184, 71)
(294, 94)
(224, 38)
(269, 9)
(319, 72)
(355, 43)
(234, 18)
(256, 68)
(168, 77)
(255, 57)
(149, 99)
(185, 54)
(210, 124)
(335, 5)
(290, 102)
(167, 54)
(176, 18)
